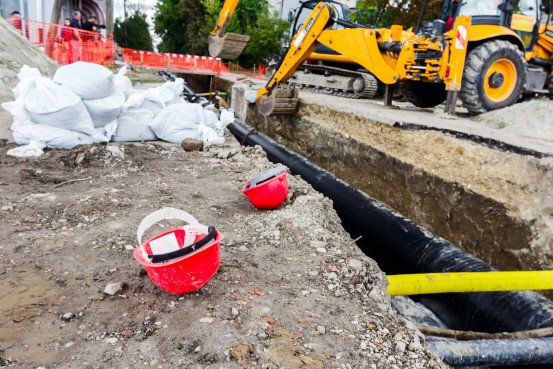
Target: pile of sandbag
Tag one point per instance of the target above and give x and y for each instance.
(86, 103)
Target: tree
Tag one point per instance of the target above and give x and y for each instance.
(384, 13)
(183, 26)
(134, 32)
(266, 39)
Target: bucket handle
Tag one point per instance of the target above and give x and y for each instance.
(163, 214)
(158, 258)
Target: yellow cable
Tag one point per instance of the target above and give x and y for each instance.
(430, 283)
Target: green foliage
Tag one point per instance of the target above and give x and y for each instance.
(384, 13)
(133, 33)
(183, 26)
(266, 38)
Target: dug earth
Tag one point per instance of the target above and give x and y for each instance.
(293, 290)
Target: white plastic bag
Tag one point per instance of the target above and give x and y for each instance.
(87, 80)
(51, 104)
(135, 99)
(210, 136)
(226, 117)
(108, 130)
(179, 121)
(32, 149)
(158, 98)
(40, 135)
(184, 120)
(105, 110)
(122, 83)
(133, 125)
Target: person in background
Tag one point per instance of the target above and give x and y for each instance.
(16, 20)
(90, 24)
(76, 39)
(66, 32)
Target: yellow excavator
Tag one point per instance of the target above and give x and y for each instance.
(226, 45)
(487, 53)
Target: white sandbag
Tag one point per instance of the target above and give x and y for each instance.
(179, 121)
(226, 117)
(40, 135)
(133, 125)
(108, 130)
(135, 99)
(88, 80)
(122, 83)
(156, 99)
(177, 86)
(32, 149)
(210, 136)
(51, 104)
(105, 110)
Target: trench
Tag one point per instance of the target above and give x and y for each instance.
(415, 250)
(480, 225)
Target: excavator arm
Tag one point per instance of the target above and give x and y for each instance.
(229, 6)
(226, 45)
(358, 44)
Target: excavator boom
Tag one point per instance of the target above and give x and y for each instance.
(358, 44)
(226, 45)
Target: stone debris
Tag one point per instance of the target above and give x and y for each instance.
(189, 144)
(113, 289)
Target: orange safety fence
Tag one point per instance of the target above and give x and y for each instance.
(195, 63)
(65, 44)
(258, 71)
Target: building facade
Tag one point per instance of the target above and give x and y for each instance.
(41, 10)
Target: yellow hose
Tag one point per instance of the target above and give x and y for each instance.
(418, 284)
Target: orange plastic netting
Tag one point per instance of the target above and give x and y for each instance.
(66, 45)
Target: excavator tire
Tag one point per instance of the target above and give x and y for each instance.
(424, 94)
(494, 77)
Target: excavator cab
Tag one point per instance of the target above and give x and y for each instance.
(226, 45)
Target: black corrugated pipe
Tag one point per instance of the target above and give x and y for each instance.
(493, 352)
(412, 249)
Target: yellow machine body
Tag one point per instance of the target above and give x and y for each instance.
(394, 55)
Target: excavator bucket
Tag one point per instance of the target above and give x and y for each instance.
(230, 46)
(283, 100)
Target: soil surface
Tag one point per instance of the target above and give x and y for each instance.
(293, 289)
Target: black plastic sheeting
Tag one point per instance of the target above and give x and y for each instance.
(401, 246)
(493, 352)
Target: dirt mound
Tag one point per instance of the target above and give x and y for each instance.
(530, 119)
(15, 51)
